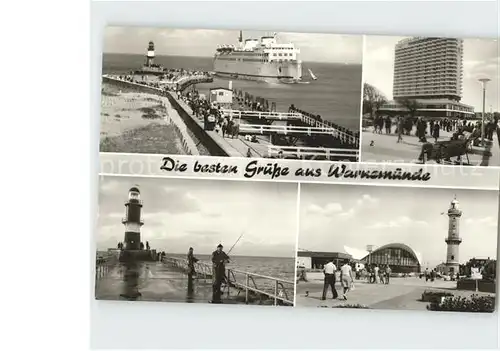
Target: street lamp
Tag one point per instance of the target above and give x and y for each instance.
(483, 81)
(369, 248)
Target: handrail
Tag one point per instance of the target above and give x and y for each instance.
(184, 80)
(262, 276)
(279, 293)
(274, 150)
(350, 136)
(103, 266)
(285, 149)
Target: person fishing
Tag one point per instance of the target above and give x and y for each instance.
(191, 261)
(219, 260)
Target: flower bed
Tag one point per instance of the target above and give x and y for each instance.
(352, 306)
(434, 296)
(474, 303)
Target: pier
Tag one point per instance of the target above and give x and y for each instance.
(167, 280)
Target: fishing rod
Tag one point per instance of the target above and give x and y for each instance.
(232, 247)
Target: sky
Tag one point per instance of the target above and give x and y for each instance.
(199, 42)
(180, 213)
(481, 60)
(332, 216)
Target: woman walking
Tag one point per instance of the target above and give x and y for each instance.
(346, 278)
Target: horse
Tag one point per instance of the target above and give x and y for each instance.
(231, 129)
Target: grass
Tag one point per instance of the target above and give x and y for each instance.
(151, 139)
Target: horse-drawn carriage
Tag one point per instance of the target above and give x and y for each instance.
(458, 146)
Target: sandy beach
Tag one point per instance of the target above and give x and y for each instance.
(136, 122)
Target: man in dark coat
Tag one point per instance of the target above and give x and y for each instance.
(191, 261)
(219, 260)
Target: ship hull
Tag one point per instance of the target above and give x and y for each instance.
(284, 72)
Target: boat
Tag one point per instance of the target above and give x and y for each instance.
(261, 59)
(312, 75)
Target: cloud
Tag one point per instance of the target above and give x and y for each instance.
(176, 201)
(488, 221)
(328, 210)
(202, 232)
(400, 222)
(367, 200)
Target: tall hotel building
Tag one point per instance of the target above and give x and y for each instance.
(429, 70)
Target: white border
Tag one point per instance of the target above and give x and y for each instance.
(121, 325)
(361, 102)
(297, 234)
(175, 176)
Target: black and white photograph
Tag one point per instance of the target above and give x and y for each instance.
(196, 241)
(431, 100)
(236, 93)
(402, 248)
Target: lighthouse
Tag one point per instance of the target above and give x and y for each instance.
(132, 220)
(453, 240)
(150, 57)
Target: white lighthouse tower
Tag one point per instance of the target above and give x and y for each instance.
(132, 220)
(453, 240)
(150, 56)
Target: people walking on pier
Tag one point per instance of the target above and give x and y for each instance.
(329, 271)
(219, 260)
(191, 261)
(346, 278)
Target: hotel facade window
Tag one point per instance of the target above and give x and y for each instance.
(428, 66)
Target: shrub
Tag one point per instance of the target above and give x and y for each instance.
(151, 116)
(474, 303)
(434, 296)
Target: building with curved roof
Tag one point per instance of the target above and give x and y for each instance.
(400, 257)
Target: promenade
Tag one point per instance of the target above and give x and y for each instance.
(234, 147)
(385, 148)
(192, 133)
(401, 293)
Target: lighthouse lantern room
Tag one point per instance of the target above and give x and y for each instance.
(132, 220)
(453, 239)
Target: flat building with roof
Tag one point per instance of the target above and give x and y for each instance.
(429, 71)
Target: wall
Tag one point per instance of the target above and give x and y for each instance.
(198, 131)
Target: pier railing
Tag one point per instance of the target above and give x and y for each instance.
(344, 136)
(265, 115)
(280, 291)
(104, 264)
(182, 82)
(286, 130)
(313, 153)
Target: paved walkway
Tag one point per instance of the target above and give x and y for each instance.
(401, 293)
(236, 147)
(384, 148)
(162, 283)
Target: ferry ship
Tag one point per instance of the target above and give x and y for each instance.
(262, 60)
